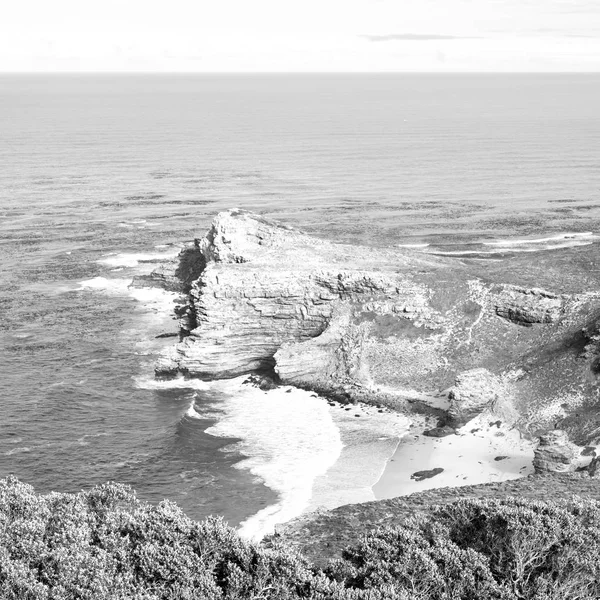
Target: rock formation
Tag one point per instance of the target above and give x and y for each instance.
(527, 306)
(363, 323)
(473, 391)
(555, 453)
(594, 468)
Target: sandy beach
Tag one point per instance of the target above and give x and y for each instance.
(369, 437)
(318, 454)
(490, 454)
(383, 450)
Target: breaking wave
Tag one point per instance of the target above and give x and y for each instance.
(134, 259)
(515, 246)
(289, 438)
(180, 383)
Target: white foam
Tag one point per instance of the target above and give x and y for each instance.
(155, 299)
(556, 238)
(518, 249)
(178, 383)
(289, 438)
(192, 413)
(134, 259)
(413, 245)
(17, 451)
(109, 286)
(155, 308)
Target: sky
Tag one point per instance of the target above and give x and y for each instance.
(300, 35)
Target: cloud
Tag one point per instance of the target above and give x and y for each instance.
(566, 34)
(414, 37)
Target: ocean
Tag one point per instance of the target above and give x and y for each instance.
(104, 176)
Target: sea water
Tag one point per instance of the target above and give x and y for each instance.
(103, 177)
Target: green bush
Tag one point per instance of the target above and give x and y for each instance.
(108, 544)
(538, 549)
(105, 543)
(496, 549)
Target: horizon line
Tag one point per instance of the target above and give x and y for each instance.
(445, 72)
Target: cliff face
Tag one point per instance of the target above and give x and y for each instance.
(379, 325)
(265, 287)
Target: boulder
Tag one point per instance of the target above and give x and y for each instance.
(439, 432)
(555, 453)
(478, 392)
(594, 468)
(422, 475)
(526, 306)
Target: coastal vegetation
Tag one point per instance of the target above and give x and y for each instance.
(106, 543)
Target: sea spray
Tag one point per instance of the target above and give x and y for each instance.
(181, 383)
(134, 259)
(370, 437)
(502, 247)
(289, 438)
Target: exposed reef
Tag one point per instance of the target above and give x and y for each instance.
(385, 325)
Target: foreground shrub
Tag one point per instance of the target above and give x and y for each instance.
(496, 549)
(418, 564)
(108, 544)
(105, 543)
(539, 549)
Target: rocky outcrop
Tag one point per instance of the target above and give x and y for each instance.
(177, 274)
(594, 468)
(265, 288)
(555, 453)
(473, 391)
(526, 306)
(374, 324)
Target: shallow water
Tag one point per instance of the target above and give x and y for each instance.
(103, 173)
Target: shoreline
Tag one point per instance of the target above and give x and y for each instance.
(492, 453)
(314, 453)
(370, 437)
(375, 450)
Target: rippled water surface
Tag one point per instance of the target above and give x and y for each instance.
(94, 167)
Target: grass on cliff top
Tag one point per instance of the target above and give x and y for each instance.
(106, 543)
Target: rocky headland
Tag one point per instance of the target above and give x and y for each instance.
(514, 340)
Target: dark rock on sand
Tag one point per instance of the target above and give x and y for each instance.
(421, 475)
(594, 468)
(263, 382)
(439, 432)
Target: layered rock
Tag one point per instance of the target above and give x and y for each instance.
(177, 274)
(264, 287)
(472, 392)
(526, 306)
(478, 392)
(555, 453)
(380, 324)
